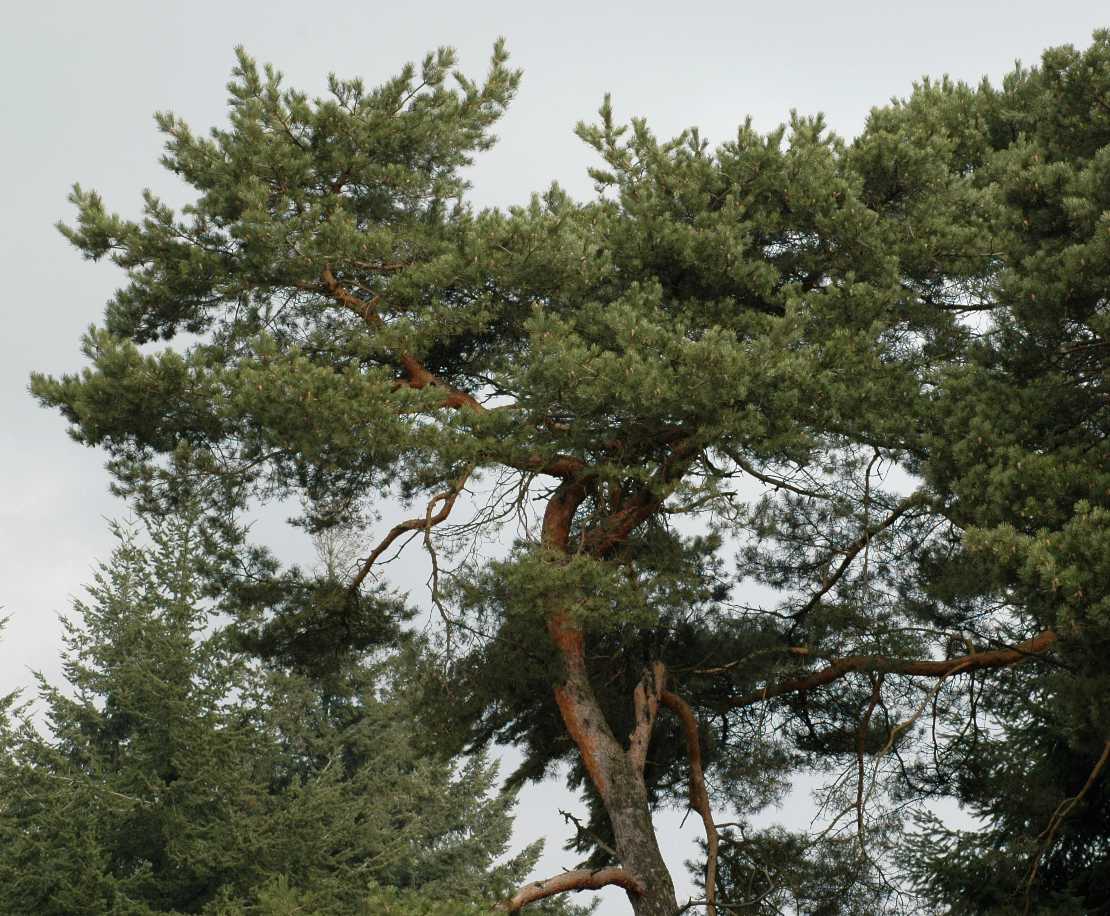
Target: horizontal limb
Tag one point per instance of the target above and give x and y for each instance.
(581, 879)
(883, 664)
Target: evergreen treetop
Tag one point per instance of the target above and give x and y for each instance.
(177, 775)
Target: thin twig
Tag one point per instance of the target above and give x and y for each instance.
(1065, 808)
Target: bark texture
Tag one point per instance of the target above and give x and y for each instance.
(616, 772)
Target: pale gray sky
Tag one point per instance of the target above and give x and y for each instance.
(83, 79)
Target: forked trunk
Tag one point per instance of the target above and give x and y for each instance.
(630, 816)
(616, 773)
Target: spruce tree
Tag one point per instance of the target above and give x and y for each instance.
(1017, 449)
(180, 776)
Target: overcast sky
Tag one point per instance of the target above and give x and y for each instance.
(82, 79)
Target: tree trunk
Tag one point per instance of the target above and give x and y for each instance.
(630, 816)
(616, 773)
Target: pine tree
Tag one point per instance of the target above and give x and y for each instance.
(771, 342)
(179, 776)
(1018, 451)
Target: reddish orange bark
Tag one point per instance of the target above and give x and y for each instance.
(882, 664)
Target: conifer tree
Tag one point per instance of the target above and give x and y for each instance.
(769, 342)
(1017, 449)
(179, 776)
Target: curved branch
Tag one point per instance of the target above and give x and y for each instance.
(582, 715)
(699, 797)
(418, 375)
(426, 522)
(884, 664)
(581, 879)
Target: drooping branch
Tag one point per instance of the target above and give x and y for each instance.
(584, 832)
(779, 483)
(883, 664)
(861, 746)
(581, 879)
(699, 797)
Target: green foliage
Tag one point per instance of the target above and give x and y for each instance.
(1017, 449)
(179, 776)
(774, 871)
(277, 898)
(874, 372)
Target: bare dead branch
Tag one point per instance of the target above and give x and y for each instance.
(584, 831)
(899, 728)
(1065, 808)
(779, 483)
(800, 651)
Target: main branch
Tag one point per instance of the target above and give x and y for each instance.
(419, 377)
(883, 664)
(416, 373)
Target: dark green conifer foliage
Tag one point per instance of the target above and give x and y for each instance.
(1018, 450)
(179, 776)
(879, 367)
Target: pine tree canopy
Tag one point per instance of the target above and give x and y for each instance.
(780, 456)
